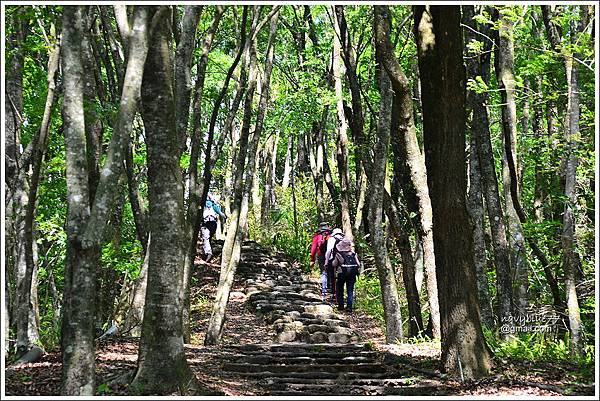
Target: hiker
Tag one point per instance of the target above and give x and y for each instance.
(212, 211)
(336, 236)
(317, 252)
(347, 268)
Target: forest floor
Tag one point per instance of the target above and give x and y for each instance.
(116, 357)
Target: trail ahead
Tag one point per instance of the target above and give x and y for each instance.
(280, 338)
(314, 351)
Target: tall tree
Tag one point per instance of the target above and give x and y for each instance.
(570, 256)
(162, 365)
(411, 154)
(387, 278)
(342, 142)
(86, 221)
(442, 75)
(504, 66)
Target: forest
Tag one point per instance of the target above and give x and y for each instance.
(453, 146)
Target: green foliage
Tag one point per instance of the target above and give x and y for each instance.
(540, 347)
(367, 295)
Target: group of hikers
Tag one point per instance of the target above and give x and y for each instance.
(338, 264)
(331, 249)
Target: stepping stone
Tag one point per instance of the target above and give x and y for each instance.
(339, 338)
(319, 337)
(319, 309)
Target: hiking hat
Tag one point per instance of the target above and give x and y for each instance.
(323, 225)
(337, 231)
(345, 245)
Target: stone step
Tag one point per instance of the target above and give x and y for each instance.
(312, 375)
(296, 348)
(305, 360)
(320, 390)
(367, 368)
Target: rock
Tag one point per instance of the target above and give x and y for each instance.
(339, 338)
(307, 315)
(319, 309)
(343, 330)
(284, 319)
(293, 314)
(319, 337)
(237, 295)
(288, 326)
(286, 336)
(313, 328)
(335, 323)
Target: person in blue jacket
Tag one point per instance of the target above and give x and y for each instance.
(212, 211)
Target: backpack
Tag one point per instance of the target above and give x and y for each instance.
(349, 263)
(209, 213)
(322, 243)
(334, 251)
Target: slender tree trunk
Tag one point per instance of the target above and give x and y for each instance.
(408, 146)
(504, 63)
(194, 196)
(162, 365)
(183, 67)
(475, 174)
(268, 199)
(232, 246)
(481, 131)
(342, 141)
(287, 169)
(85, 222)
(135, 309)
(77, 332)
(439, 44)
(475, 199)
(570, 257)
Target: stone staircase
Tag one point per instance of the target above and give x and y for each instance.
(315, 351)
(290, 300)
(299, 369)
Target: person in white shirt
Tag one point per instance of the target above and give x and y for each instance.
(336, 236)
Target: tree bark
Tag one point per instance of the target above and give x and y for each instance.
(183, 67)
(194, 198)
(232, 246)
(287, 169)
(409, 147)
(342, 140)
(85, 222)
(504, 66)
(387, 278)
(442, 75)
(77, 332)
(481, 131)
(162, 365)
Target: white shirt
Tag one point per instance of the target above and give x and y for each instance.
(330, 244)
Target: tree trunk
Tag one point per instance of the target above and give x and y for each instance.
(287, 169)
(387, 278)
(481, 131)
(268, 199)
(408, 147)
(162, 365)
(342, 141)
(183, 67)
(194, 198)
(86, 223)
(570, 256)
(439, 44)
(504, 65)
(77, 332)
(475, 198)
(135, 310)
(232, 246)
